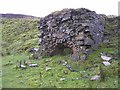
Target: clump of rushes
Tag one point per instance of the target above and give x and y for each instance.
(102, 73)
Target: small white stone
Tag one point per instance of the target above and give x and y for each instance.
(33, 65)
(65, 63)
(22, 66)
(96, 77)
(62, 79)
(36, 49)
(40, 40)
(48, 68)
(84, 71)
(106, 58)
(106, 63)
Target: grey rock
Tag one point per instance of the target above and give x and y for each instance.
(80, 36)
(69, 67)
(65, 63)
(88, 41)
(33, 49)
(33, 65)
(96, 77)
(71, 28)
(106, 63)
(88, 51)
(75, 56)
(23, 67)
(105, 56)
(81, 42)
(48, 68)
(62, 79)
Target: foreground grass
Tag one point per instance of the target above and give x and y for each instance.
(38, 77)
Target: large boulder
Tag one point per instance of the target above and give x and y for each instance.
(77, 29)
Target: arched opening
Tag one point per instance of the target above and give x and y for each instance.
(61, 49)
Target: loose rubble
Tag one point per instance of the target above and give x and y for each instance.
(106, 63)
(69, 67)
(106, 58)
(33, 49)
(48, 68)
(62, 79)
(65, 63)
(96, 77)
(25, 64)
(33, 65)
(23, 67)
(80, 30)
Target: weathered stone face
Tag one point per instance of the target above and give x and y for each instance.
(80, 30)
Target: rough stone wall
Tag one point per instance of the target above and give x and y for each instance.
(81, 30)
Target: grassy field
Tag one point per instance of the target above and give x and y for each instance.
(32, 78)
(18, 35)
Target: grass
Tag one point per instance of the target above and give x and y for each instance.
(31, 77)
(18, 35)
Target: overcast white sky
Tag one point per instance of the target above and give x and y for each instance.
(41, 8)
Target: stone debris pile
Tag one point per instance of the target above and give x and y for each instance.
(80, 30)
(106, 58)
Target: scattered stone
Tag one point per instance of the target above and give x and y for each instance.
(78, 78)
(62, 79)
(84, 71)
(106, 58)
(65, 63)
(33, 49)
(33, 65)
(23, 67)
(96, 77)
(69, 67)
(48, 68)
(106, 63)
(65, 72)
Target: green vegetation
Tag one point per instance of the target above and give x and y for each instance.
(18, 35)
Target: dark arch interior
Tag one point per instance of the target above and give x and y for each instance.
(61, 49)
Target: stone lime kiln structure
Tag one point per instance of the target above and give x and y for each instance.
(80, 30)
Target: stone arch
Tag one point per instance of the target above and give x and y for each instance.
(61, 49)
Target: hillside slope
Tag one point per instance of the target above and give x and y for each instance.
(19, 35)
(10, 15)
